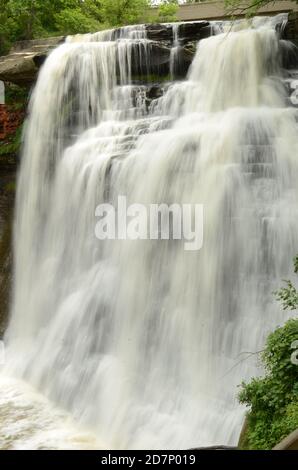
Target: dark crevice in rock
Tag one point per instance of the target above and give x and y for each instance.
(7, 196)
(290, 30)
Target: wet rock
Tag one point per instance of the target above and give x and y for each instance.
(37, 45)
(194, 31)
(21, 66)
(205, 32)
(187, 31)
(290, 30)
(289, 55)
(159, 59)
(154, 92)
(18, 68)
(188, 53)
(7, 193)
(159, 32)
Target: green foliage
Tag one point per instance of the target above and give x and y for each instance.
(7, 197)
(168, 11)
(31, 19)
(10, 187)
(122, 12)
(289, 295)
(273, 399)
(73, 21)
(151, 78)
(16, 96)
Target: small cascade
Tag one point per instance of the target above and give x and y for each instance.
(175, 52)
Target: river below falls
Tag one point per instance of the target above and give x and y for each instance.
(29, 421)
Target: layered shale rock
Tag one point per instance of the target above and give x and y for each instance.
(22, 64)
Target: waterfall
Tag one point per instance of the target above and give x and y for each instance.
(175, 51)
(145, 343)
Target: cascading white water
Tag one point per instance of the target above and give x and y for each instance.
(141, 340)
(175, 50)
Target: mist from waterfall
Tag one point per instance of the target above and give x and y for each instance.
(141, 341)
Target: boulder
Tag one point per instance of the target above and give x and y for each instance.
(22, 64)
(18, 68)
(288, 443)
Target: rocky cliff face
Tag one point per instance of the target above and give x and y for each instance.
(290, 31)
(22, 64)
(11, 119)
(7, 191)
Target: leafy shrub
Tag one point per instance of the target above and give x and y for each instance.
(168, 11)
(73, 21)
(273, 399)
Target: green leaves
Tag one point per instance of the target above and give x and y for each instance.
(288, 296)
(273, 399)
(74, 21)
(124, 12)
